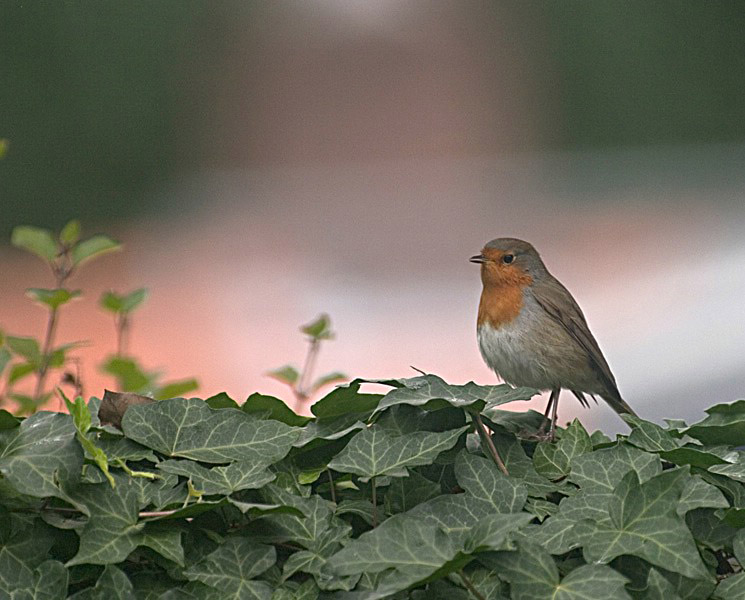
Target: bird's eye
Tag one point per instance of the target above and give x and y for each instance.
(508, 258)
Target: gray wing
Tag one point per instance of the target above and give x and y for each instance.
(558, 303)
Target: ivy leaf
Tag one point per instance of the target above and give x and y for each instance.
(699, 456)
(345, 399)
(553, 460)
(432, 392)
(332, 428)
(232, 567)
(405, 493)
(191, 429)
(221, 400)
(556, 535)
(699, 494)
(50, 582)
(93, 247)
(112, 583)
(23, 547)
(113, 529)
(308, 531)
(533, 575)
(401, 542)
(598, 473)
(650, 437)
(492, 532)
(659, 588)
(731, 588)
(39, 454)
(7, 420)
(643, 522)
(36, 240)
(272, 408)
(482, 479)
(375, 451)
(240, 475)
(724, 425)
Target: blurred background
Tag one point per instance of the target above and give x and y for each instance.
(263, 162)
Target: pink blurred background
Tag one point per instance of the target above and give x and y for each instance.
(348, 158)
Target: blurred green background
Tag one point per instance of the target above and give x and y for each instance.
(102, 101)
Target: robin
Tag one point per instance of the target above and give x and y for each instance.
(532, 333)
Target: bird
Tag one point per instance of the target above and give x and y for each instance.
(531, 332)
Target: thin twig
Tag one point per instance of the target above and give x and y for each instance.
(301, 389)
(469, 585)
(45, 355)
(486, 439)
(331, 483)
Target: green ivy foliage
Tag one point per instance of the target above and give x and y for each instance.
(376, 496)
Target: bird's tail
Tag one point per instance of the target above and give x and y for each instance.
(619, 405)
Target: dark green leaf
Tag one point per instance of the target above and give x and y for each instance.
(8, 421)
(272, 408)
(482, 479)
(553, 460)
(236, 476)
(375, 451)
(232, 567)
(112, 584)
(724, 425)
(731, 588)
(533, 575)
(40, 453)
(650, 437)
(191, 429)
(345, 399)
(221, 400)
(432, 392)
(643, 522)
(114, 530)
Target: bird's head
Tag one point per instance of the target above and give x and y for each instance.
(508, 261)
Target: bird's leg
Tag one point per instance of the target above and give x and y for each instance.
(549, 416)
(554, 408)
(552, 400)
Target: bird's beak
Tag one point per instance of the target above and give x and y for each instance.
(479, 258)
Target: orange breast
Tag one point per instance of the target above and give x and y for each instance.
(500, 305)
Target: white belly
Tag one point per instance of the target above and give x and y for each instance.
(511, 355)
